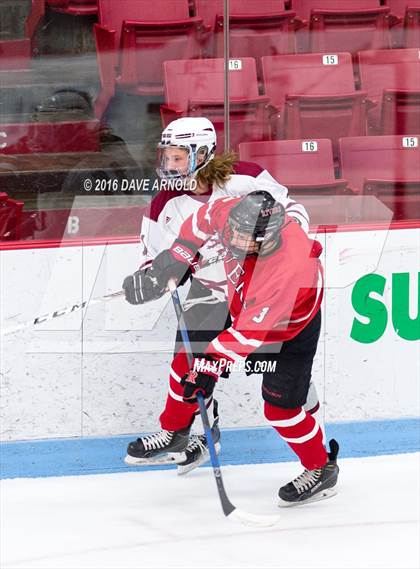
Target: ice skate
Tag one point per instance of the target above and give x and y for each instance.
(197, 451)
(312, 485)
(163, 447)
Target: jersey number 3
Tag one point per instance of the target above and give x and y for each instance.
(258, 319)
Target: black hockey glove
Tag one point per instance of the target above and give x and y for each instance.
(142, 287)
(175, 263)
(204, 381)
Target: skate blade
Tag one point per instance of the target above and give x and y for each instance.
(169, 458)
(324, 495)
(181, 470)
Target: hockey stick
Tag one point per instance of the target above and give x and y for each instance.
(74, 308)
(230, 511)
(61, 312)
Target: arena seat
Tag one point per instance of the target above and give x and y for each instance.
(74, 7)
(256, 28)
(400, 111)
(412, 27)
(349, 25)
(209, 10)
(16, 54)
(391, 79)
(304, 166)
(113, 14)
(313, 96)
(134, 38)
(401, 197)
(405, 18)
(303, 8)
(196, 88)
(385, 166)
(399, 7)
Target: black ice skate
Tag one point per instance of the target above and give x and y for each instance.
(163, 447)
(197, 451)
(312, 485)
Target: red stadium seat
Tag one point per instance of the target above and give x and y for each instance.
(303, 8)
(401, 197)
(256, 28)
(399, 7)
(405, 18)
(74, 7)
(400, 112)
(135, 37)
(304, 166)
(349, 25)
(387, 166)
(209, 10)
(313, 96)
(391, 79)
(352, 31)
(10, 218)
(196, 88)
(412, 27)
(34, 137)
(16, 54)
(113, 14)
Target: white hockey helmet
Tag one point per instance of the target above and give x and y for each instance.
(197, 136)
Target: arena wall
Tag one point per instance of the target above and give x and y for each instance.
(103, 371)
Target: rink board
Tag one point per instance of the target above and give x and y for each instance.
(99, 455)
(102, 372)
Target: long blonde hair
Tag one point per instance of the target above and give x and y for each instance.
(219, 170)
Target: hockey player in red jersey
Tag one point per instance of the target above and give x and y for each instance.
(187, 154)
(274, 278)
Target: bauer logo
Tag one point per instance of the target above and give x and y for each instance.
(376, 309)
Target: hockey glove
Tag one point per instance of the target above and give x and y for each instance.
(204, 381)
(175, 263)
(142, 287)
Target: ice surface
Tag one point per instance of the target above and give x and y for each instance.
(159, 520)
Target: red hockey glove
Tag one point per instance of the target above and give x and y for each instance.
(202, 377)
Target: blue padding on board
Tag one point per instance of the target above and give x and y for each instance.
(92, 455)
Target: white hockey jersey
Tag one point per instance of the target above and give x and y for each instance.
(169, 209)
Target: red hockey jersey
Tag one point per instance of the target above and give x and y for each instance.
(171, 208)
(271, 297)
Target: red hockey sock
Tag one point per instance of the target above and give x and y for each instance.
(301, 432)
(177, 414)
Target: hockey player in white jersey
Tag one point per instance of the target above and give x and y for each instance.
(186, 153)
